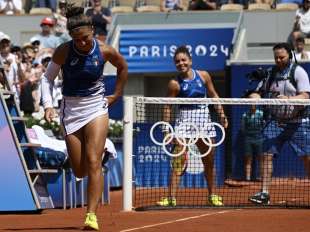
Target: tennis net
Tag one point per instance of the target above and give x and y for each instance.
(174, 142)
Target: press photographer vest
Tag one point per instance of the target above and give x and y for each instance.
(299, 112)
(290, 77)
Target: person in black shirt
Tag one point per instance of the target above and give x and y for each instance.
(101, 17)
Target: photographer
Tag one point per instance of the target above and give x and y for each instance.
(287, 124)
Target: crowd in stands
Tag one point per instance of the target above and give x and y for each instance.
(23, 65)
(105, 7)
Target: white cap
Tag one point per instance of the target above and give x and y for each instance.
(4, 36)
(34, 38)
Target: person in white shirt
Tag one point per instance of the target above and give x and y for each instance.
(301, 54)
(13, 71)
(47, 37)
(301, 26)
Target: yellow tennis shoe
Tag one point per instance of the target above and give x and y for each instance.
(215, 200)
(91, 222)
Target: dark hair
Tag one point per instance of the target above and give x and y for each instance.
(76, 17)
(15, 49)
(182, 49)
(300, 39)
(286, 46)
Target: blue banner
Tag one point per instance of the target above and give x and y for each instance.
(151, 51)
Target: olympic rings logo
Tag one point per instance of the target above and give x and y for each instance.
(185, 141)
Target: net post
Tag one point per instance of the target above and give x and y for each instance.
(127, 148)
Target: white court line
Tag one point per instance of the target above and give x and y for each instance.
(177, 220)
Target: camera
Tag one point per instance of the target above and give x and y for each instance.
(258, 74)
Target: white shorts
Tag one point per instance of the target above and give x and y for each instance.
(76, 112)
(200, 118)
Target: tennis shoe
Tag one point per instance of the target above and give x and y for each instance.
(216, 200)
(167, 201)
(91, 222)
(260, 198)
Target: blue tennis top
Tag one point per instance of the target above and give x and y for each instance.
(193, 88)
(83, 73)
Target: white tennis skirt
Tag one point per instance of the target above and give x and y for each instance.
(194, 122)
(76, 112)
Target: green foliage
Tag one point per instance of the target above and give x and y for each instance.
(53, 126)
(115, 129)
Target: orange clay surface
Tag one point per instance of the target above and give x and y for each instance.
(112, 219)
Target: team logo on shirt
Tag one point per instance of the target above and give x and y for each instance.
(74, 61)
(199, 83)
(95, 60)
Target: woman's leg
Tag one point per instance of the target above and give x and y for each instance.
(208, 163)
(95, 133)
(75, 147)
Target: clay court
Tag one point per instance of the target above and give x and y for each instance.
(112, 219)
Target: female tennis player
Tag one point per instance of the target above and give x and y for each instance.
(84, 108)
(192, 83)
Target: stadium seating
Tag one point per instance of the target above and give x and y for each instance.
(40, 11)
(153, 2)
(259, 6)
(148, 8)
(286, 6)
(121, 9)
(232, 7)
(127, 3)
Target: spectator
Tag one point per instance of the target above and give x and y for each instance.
(35, 42)
(46, 36)
(52, 4)
(61, 22)
(301, 26)
(252, 123)
(202, 5)
(301, 54)
(170, 5)
(12, 70)
(101, 17)
(10, 7)
(30, 87)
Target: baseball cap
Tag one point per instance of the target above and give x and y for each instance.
(4, 37)
(34, 39)
(47, 21)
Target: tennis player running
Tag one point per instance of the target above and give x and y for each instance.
(192, 83)
(84, 108)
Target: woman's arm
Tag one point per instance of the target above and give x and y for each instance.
(48, 77)
(172, 91)
(213, 94)
(117, 60)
